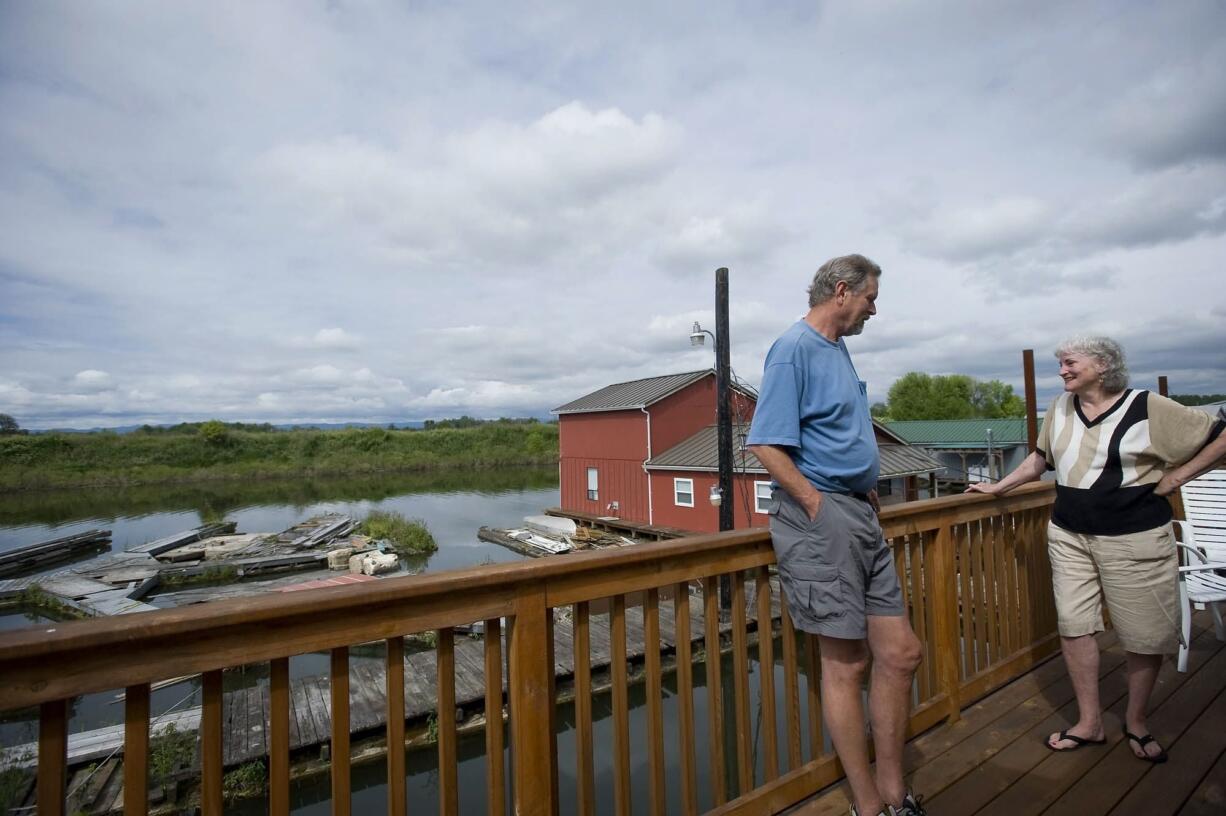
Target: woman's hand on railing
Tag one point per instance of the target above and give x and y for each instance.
(988, 488)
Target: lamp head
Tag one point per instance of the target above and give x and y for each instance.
(717, 497)
(697, 337)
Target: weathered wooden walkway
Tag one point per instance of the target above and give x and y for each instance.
(993, 760)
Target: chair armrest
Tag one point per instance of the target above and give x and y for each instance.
(1209, 565)
(1190, 551)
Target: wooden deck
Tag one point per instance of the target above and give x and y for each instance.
(993, 760)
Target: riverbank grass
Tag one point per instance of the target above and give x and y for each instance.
(213, 451)
(408, 536)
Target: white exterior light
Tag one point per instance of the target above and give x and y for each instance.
(717, 497)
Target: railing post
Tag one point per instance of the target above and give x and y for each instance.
(532, 740)
(945, 630)
(52, 757)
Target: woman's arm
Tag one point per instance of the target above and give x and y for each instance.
(1031, 468)
(1206, 460)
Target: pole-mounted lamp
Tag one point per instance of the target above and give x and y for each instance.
(723, 380)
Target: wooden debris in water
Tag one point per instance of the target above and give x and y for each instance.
(35, 556)
(161, 545)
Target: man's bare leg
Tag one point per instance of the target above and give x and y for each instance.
(1081, 658)
(896, 655)
(843, 665)
(1142, 674)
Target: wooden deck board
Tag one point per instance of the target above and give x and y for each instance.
(1210, 796)
(1048, 774)
(994, 761)
(1193, 754)
(1096, 783)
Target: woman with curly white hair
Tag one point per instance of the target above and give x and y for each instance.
(1117, 453)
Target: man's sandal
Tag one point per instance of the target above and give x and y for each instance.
(1141, 742)
(1079, 742)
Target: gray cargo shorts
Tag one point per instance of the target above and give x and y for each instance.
(835, 570)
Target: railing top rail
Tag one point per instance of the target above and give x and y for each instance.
(277, 607)
(51, 661)
(122, 630)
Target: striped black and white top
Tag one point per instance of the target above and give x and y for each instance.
(1107, 468)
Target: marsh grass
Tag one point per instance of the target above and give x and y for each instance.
(194, 455)
(405, 535)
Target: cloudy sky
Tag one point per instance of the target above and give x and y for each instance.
(364, 211)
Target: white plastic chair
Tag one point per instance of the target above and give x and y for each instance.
(1202, 555)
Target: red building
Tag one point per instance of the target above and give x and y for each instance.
(646, 451)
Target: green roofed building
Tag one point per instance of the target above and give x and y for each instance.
(963, 445)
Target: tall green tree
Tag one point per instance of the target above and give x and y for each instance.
(8, 425)
(917, 395)
(994, 400)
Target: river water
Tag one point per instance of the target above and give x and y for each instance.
(453, 505)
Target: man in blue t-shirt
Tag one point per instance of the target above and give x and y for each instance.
(813, 432)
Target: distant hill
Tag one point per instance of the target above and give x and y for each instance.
(318, 426)
(414, 424)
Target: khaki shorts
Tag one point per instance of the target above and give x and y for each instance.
(1138, 575)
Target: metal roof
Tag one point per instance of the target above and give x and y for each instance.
(636, 393)
(701, 452)
(962, 433)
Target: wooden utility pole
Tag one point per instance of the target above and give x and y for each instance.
(723, 418)
(1032, 405)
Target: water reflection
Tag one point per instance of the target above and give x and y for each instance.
(452, 503)
(312, 795)
(211, 501)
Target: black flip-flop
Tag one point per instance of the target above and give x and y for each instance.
(1079, 742)
(1141, 742)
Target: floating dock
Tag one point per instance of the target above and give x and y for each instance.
(637, 529)
(39, 556)
(115, 584)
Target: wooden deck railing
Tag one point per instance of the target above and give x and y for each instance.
(974, 571)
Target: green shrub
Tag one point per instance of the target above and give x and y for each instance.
(12, 781)
(404, 534)
(245, 781)
(170, 750)
(214, 432)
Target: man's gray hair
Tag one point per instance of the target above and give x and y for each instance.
(853, 270)
(1108, 353)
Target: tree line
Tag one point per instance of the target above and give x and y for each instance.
(917, 395)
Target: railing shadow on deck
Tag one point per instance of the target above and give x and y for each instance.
(974, 572)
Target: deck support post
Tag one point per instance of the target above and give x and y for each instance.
(531, 677)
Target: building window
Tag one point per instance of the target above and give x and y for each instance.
(593, 487)
(761, 496)
(885, 487)
(683, 492)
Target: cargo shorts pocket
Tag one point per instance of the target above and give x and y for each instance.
(787, 510)
(820, 585)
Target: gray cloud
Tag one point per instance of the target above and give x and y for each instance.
(383, 212)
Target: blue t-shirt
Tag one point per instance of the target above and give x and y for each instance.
(813, 403)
